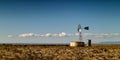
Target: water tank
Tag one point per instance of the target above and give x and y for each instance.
(89, 42)
(77, 43)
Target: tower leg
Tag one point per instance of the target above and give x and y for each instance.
(80, 37)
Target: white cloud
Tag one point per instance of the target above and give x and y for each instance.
(70, 35)
(48, 34)
(54, 35)
(26, 35)
(63, 34)
(10, 36)
(103, 35)
(76, 34)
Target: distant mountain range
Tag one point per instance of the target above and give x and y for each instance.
(110, 42)
(44, 44)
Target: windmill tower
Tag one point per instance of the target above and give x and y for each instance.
(80, 31)
(80, 42)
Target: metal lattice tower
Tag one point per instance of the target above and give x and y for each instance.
(80, 32)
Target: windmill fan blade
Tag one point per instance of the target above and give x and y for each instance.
(86, 28)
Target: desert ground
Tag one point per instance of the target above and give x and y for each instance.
(38, 52)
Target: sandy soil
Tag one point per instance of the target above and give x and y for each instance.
(23, 52)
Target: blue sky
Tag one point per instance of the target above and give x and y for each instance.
(56, 16)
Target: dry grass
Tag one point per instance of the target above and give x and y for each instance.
(22, 52)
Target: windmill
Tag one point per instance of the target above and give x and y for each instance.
(80, 31)
(80, 42)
